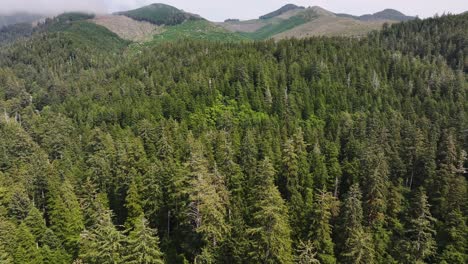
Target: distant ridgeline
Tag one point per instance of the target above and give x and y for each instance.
(281, 11)
(160, 14)
(169, 23)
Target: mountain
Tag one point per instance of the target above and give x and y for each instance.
(160, 14)
(161, 22)
(282, 10)
(295, 21)
(18, 18)
(387, 14)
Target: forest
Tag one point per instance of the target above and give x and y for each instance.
(317, 150)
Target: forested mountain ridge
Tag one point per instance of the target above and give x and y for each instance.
(319, 150)
(162, 23)
(160, 14)
(296, 21)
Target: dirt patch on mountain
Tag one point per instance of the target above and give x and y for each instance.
(128, 28)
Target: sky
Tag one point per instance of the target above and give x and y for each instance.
(219, 10)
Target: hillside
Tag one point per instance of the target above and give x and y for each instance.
(293, 21)
(387, 14)
(197, 30)
(331, 26)
(127, 28)
(160, 14)
(282, 10)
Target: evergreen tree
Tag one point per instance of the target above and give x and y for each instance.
(419, 244)
(65, 215)
(36, 223)
(102, 244)
(357, 243)
(26, 249)
(455, 239)
(133, 205)
(143, 244)
(269, 232)
(321, 231)
(208, 198)
(306, 253)
(319, 169)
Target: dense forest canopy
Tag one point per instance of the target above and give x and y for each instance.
(319, 150)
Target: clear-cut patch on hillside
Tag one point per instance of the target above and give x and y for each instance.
(332, 26)
(128, 28)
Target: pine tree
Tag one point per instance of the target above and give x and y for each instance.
(297, 181)
(93, 203)
(293, 188)
(454, 239)
(306, 253)
(447, 160)
(357, 243)
(103, 244)
(36, 223)
(143, 244)
(26, 249)
(133, 205)
(321, 231)
(65, 215)
(319, 169)
(269, 230)
(333, 165)
(208, 198)
(419, 232)
(375, 187)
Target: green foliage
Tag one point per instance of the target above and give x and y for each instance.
(450, 38)
(321, 230)
(270, 231)
(275, 28)
(88, 34)
(143, 244)
(133, 206)
(102, 244)
(160, 14)
(199, 30)
(236, 152)
(357, 243)
(65, 215)
(36, 223)
(26, 250)
(420, 243)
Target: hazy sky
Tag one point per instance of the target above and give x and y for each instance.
(218, 10)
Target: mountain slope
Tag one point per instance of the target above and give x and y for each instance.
(281, 11)
(284, 19)
(331, 26)
(387, 14)
(198, 30)
(160, 14)
(294, 21)
(128, 28)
